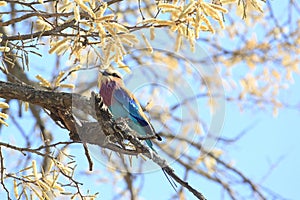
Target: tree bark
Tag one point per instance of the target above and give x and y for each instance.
(62, 107)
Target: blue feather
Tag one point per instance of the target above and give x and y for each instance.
(132, 110)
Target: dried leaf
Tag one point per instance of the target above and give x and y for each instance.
(4, 105)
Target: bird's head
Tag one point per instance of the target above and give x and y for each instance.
(110, 74)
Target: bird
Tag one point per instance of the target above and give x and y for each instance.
(122, 103)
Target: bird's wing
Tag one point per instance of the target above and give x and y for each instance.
(131, 105)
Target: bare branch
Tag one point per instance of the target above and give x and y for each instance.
(2, 167)
(61, 103)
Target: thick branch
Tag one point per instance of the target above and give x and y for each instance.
(61, 107)
(43, 98)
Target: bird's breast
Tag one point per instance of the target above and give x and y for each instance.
(106, 92)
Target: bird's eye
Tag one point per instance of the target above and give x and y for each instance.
(116, 75)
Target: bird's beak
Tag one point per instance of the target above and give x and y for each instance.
(103, 72)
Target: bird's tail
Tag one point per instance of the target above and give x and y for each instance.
(170, 179)
(149, 143)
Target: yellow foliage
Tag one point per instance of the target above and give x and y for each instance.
(148, 45)
(57, 46)
(59, 78)
(16, 192)
(4, 49)
(228, 1)
(178, 42)
(105, 18)
(43, 82)
(152, 33)
(123, 66)
(86, 8)
(3, 3)
(3, 115)
(276, 74)
(181, 195)
(76, 13)
(66, 6)
(3, 122)
(42, 25)
(67, 85)
(4, 105)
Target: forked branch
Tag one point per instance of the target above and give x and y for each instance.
(106, 132)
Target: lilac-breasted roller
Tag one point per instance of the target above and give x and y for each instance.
(122, 103)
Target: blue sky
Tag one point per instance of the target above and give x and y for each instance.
(272, 141)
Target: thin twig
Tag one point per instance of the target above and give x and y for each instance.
(87, 154)
(2, 173)
(141, 10)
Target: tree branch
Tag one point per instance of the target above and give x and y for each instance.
(106, 133)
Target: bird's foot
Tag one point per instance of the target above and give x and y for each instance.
(150, 152)
(109, 139)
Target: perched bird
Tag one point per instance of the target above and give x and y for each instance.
(122, 103)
